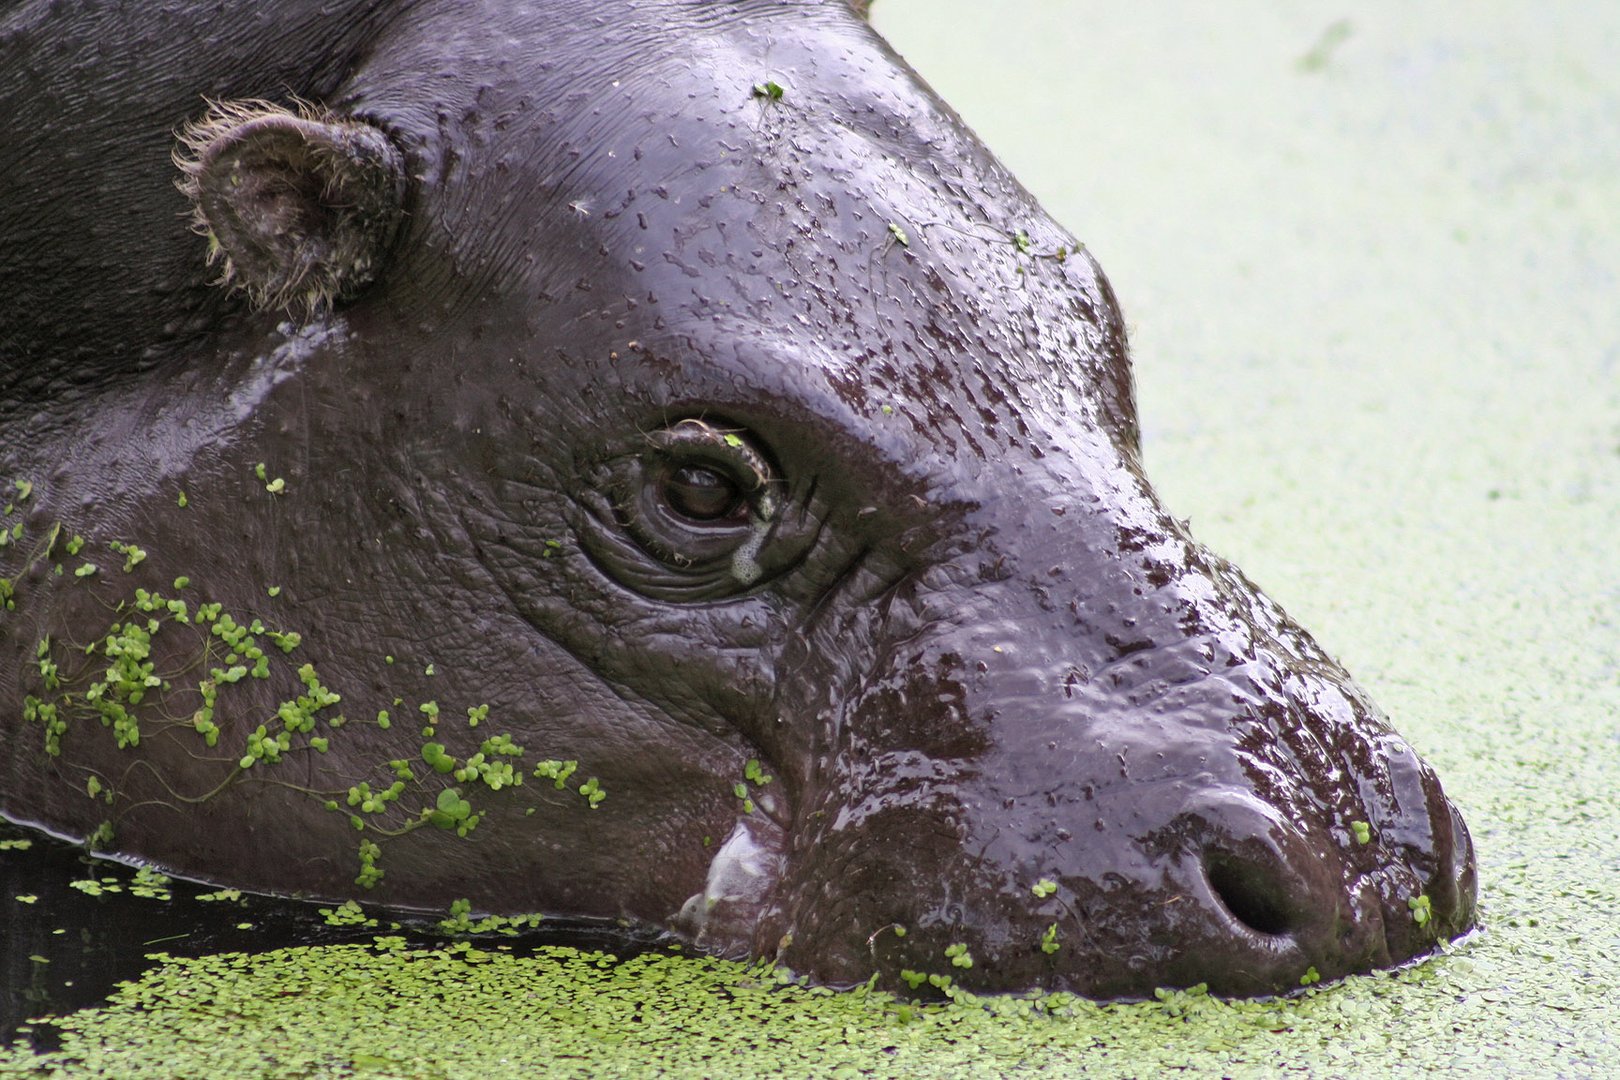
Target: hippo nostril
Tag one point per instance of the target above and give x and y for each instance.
(1252, 894)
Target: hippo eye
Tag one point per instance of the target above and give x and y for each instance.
(693, 512)
(701, 493)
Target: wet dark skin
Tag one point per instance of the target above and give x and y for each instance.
(685, 424)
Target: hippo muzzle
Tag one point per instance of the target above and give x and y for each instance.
(648, 462)
(1089, 755)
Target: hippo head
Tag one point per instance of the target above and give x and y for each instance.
(685, 386)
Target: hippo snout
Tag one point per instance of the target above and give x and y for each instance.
(1127, 770)
(1172, 872)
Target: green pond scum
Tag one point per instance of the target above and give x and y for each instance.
(1368, 265)
(486, 1010)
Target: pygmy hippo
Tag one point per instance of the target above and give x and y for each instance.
(641, 460)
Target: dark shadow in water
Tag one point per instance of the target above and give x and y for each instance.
(67, 949)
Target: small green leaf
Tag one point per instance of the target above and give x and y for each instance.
(1421, 907)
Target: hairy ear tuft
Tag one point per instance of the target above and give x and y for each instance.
(300, 206)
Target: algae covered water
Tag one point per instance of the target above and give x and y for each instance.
(74, 926)
(1370, 260)
(78, 927)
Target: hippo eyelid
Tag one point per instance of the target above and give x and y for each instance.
(695, 442)
(698, 436)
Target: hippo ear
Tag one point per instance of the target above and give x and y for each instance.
(863, 8)
(301, 206)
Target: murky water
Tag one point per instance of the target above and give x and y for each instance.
(73, 926)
